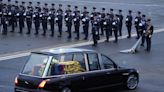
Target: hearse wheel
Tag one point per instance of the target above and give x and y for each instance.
(66, 89)
(132, 82)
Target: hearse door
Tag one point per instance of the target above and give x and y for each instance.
(113, 76)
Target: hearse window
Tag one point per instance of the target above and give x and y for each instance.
(93, 62)
(107, 63)
(80, 58)
(67, 66)
(68, 57)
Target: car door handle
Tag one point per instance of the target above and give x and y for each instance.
(108, 73)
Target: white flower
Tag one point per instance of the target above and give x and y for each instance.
(66, 19)
(91, 15)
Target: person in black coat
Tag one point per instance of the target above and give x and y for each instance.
(74, 14)
(17, 11)
(51, 19)
(83, 15)
(128, 23)
(68, 21)
(59, 19)
(4, 21)
(44, 19)
(12, 16)
(66, 14)
(36, 20)
(148, 34)
(142, 29)
(1, 6)
(102, 19)
(29, 20)
(111, 18)
(21, 17)
(95, 29)
(1, 9)
(85, 22)
(120, 22)
(115, 28)
(136, 23)
(76, 20)
(106, 26)
(24, 10)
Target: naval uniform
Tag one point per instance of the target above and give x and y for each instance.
(136, 23)
(20, 16)
(44, 19)
(76, 20)
(59, 21)
(129, 25)
(28, 15)
(115, 29)
(85, 22)
(36, 20)
(95, 29)
(69, 25)
(51, 19)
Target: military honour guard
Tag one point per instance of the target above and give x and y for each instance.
(23, 15)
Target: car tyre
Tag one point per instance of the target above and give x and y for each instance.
(66, 89)
(132, 82)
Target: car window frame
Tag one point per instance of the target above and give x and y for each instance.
(89, 70)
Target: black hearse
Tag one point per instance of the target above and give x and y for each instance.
(72, 70)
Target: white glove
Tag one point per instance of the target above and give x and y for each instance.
(150, 36)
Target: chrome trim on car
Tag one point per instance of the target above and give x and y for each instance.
(47, 66)
(86, 62)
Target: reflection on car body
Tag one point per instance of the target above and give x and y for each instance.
(72, 70)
